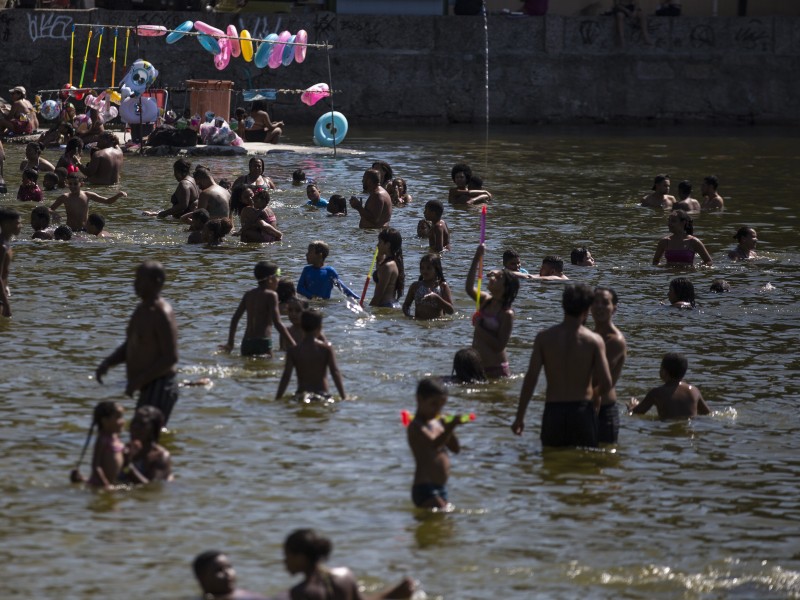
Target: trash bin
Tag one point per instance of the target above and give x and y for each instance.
(210, 95)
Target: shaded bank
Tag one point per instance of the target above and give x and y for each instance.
(408, 69)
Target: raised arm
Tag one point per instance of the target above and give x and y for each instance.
(469, 286)
(103, 199)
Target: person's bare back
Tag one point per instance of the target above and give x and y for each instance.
(673, 400)
(151, 343)
(571, 356)
(216, 200)
(105, 165)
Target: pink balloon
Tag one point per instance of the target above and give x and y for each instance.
(236, 50)
(315, 93)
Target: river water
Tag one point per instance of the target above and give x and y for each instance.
(704, 509)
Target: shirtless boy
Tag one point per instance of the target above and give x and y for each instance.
(439, 235)
(685, 200)
(430, 439)
(213, 197)
(217, 578)
(574, 361)
(105, 165)
(675, 399)
(76, 202)
(660, 197)
(312, 358)
(604, 307)
(711, 198)
(376, 212)
(10, 226)
(261, 306)
(150, 349)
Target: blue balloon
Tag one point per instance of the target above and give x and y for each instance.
(209, 43)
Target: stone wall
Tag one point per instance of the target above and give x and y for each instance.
(432, 69)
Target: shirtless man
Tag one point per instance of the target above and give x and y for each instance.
(574, 361)
(76, 202)
(685, 200)
(213, 197)
(105, 165)
(313, 358)
(21, 118)
(604, 308)
(660, 197)
(150, 349)
(552, 269)
(711, 199)
(377, 210)
(261, 306)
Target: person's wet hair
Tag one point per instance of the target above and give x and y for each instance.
(659, 179)
(286, 289)
(683, 289)
(614, 298)
(719, 286)
(264, 269)
(742, 232)
(431, 386)
(711, 180)
(203, 561)
(436, 207)
(62, 233)
(578, 255)
(461, 168)
(308, 543)
(675, 365)
(435, 261)
(152, 418)
(182, 167)
(310, 321)
(468, 366)
(554, 261)
(337, 204)
(319, 247)
(688, 223)
(685, 188)
(576, 299)
(31, 175)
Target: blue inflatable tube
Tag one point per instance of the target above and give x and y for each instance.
(330, 130)
(209, 43)
(180, 31)
(264, 50)
(288, 52)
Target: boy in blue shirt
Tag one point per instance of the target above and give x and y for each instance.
(317, 280)
(315, 198)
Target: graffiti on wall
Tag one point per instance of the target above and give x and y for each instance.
(50, 26)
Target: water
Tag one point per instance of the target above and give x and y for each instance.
(706, 509)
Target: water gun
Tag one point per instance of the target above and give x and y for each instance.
(406, 417)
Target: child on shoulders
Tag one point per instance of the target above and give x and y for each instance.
(317, 279)
(312, 358)
(676, 399)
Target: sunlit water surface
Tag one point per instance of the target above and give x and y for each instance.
(704, 509)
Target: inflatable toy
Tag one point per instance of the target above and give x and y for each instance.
(132, 114)
(208, 29)
(180, 31)
(315, 93)
(246, 45)
(209, 43)
(288, 52)
(222, 59)
(50, 110)
(150, 30)
(331, 129)
(233, 41)
(139, 77)
(300, 51)
(264, 49)
(276, 56)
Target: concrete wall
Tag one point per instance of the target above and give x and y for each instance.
(431, 69)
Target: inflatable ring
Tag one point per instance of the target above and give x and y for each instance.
(233, 41)
(222, 59)
(276, 57)
(209, 43)
(264, 50)
(300, 50)
(288, 52)
(208, 29)
(315, 93)
(50, 110)
(246, 45)
(330, 134)
(180, 31)
(151, 30)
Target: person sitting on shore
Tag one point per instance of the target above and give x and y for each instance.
(105, 165)
(21, 118)
(58, 134)
(263, 128)
(660, 197)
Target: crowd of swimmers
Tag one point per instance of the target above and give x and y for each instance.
(581, 366)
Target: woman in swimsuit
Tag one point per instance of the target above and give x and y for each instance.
(495, 317)
(34, 160)
(390, 275)
(680, 246)
(255, 175)
(304, 552)
(108, 457)
(431, 294)
(746, 247)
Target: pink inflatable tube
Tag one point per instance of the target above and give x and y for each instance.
(300, 51)
(233, 42)
(151, 30)
(208, 29)
(222, 59)
(315, 93)
(276, 58)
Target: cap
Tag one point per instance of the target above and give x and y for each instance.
(19, 89)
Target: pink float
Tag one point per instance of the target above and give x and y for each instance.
(276, 58)
(233, 41)
(222, 59)
(315, 93)
(151, 30)
(208, 29)
(300, 50)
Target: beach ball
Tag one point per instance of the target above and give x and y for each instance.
(50, 110)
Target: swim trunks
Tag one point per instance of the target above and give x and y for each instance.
(256, 346)
(569, 424)
(312, 397)
(422, 492)
(608, 424)
(161, 393)
(501, 370)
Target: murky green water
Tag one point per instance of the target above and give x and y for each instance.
(707, 509)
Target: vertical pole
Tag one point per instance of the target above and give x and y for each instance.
(330, 87)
